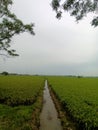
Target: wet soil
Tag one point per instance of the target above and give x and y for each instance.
(49, 117)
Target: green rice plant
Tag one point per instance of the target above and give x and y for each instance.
(20, 97)
(20, 90)
(79, 96)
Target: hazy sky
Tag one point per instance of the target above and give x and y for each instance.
(60, 47)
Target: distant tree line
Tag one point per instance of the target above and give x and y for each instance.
(5, 73)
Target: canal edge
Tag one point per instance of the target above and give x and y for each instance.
(66, 121)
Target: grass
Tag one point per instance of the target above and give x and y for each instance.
(20, 97)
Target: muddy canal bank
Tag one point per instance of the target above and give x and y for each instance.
(49, 117)
(66, 120)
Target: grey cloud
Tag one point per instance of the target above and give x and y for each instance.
(59, 47)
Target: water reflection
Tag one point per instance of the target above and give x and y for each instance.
(49, 117)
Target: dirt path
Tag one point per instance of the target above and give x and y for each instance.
(49, 117)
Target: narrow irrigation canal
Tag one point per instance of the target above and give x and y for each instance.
(49, 116)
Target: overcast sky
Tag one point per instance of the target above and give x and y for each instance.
(60, 47)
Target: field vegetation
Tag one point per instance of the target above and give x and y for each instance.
(20, 102)
(79, 97)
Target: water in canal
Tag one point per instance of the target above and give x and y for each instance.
(49, 116)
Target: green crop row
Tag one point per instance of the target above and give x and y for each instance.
(79, 96)
(20, 90)
(20, 102)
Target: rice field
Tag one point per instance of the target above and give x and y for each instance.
(79, 96)
(21, 100)
(20, 97)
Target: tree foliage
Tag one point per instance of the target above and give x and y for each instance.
(5, 73)
(9, 26)
(76, 8)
